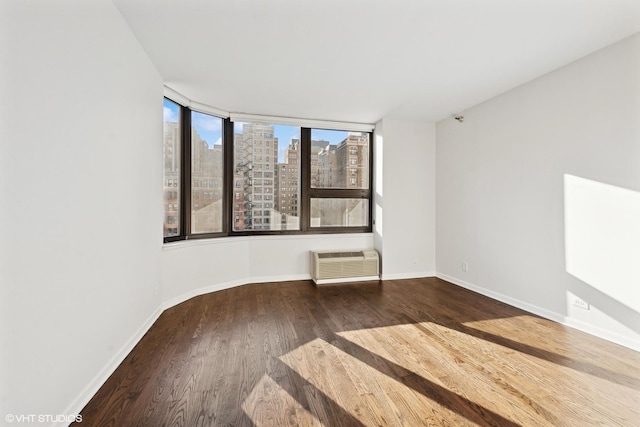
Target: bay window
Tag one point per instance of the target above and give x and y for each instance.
(228, 177)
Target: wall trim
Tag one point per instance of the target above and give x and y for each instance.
(602, 333)
(400, 276)
(547, 314)
(228, 285)
(182, 244)
(201, 291)
(98, 381)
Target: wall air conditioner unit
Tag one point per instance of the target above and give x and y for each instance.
(336, 267)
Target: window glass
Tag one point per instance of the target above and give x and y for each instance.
(339, 159)
(206, 173)
(262, 204)
(171, 187)
(339, 212)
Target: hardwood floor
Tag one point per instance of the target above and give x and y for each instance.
(409, 352)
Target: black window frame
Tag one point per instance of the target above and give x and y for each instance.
(333, 193)
(306, 191)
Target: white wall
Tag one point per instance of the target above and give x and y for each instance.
(405, 198)
(523, 187)
(81, 204)
(200, 266)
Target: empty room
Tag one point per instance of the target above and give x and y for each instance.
(357, 213)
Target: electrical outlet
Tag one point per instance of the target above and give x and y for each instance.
(414, 262)
(579, 302)
(465, 266)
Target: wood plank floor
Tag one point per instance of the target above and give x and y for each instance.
(409, 352)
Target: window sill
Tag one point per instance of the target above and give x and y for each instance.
(239, 239)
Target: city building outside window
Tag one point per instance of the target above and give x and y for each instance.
(206, 173)
(340, 185)
(172, 170)
(263, 205)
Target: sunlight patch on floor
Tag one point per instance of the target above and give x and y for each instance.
(360, 390)
(465, 364)
(424, 372)
(553, 336)
(269, 405)
(554, 343)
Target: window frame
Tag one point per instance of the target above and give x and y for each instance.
(231, 167)
(334, 193)
(224, 190)
(228, 190)
(180, 188)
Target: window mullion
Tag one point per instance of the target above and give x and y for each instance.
(339, 193)
(185, 212)
(228, 193)
(305, 179)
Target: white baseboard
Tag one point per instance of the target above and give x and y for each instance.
(602, 333)
(92, 388)
(400, 276)
(345, 280)
(547, 314)
(287, 278)
(201, 291)
(207, 289)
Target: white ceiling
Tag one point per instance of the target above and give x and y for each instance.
(361, 60)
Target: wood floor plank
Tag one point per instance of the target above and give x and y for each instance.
(399, 353)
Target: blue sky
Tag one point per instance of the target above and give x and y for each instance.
(210, 129)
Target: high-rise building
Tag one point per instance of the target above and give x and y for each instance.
(344, 166)
(206, 186)
(352, 161)
(288, 188)
(327, 167)
(317, 146)
(255, 160)
(206, 183)
(171, 178)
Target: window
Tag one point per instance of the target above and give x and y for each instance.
(340, 193)
(339, 212)
(333, 155)
(172, 171)
(206, 173)
(226, 178)
(258, 208)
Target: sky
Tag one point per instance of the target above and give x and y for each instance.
(210, 129)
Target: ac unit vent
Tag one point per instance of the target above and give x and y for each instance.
(349, 266)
